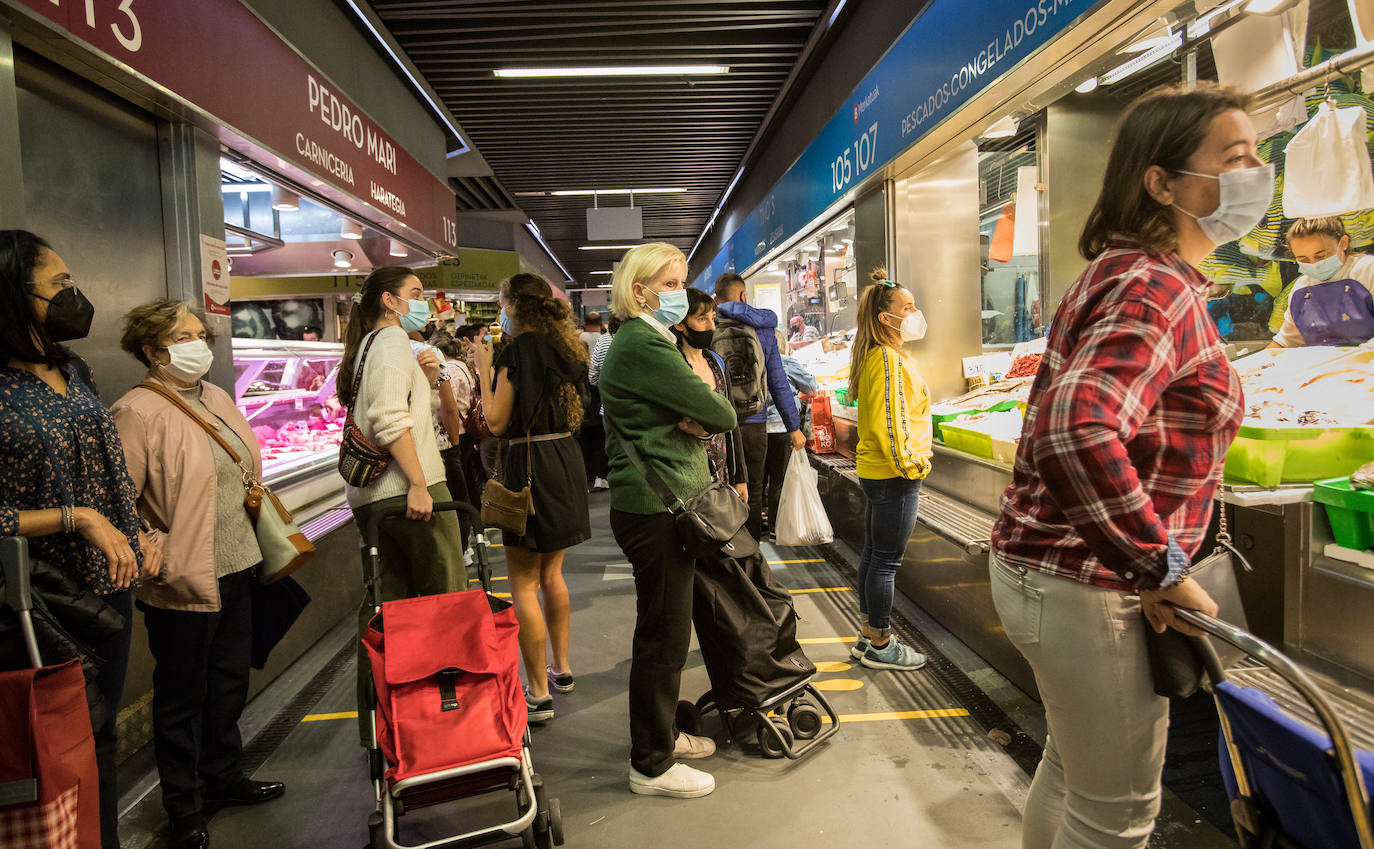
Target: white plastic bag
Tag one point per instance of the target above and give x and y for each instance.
(1328, 168)
(801, 516)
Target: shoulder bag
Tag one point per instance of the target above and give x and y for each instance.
(361, 461)
(508, 509)
(1179, 662)
(707, 524)
(284, 548)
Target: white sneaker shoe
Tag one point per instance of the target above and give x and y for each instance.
(600, 483)
(680, 782)
(691, 746)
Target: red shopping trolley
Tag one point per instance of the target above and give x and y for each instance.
(447, 710)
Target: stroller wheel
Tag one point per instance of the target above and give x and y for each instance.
(556, 822)
(688, 718)
(768, 744)
(804, 720)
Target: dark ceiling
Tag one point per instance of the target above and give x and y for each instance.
(605, 133)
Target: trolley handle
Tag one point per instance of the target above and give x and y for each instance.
(14, 555)
(372, 533)
(1351, 777)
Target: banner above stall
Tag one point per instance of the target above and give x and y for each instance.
(947, 56)
(218, 58)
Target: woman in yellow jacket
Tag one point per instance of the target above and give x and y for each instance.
(893, 458)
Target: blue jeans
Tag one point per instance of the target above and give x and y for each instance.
(888, 523)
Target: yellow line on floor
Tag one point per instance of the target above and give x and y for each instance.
(812, 560)
(320, 717)
(815, 641)
(938, 713)
(821, 590)
(493, 577)
(889, 716)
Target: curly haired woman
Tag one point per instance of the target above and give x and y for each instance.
(535, 401)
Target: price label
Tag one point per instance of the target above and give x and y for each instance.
(974, 367)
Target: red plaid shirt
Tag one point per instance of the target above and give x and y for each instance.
(1129, 420)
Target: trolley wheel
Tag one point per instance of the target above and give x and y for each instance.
(688, 718)
(768, 744)
(556, 822)
(804, 720)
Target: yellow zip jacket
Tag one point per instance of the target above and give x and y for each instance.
(894, 417)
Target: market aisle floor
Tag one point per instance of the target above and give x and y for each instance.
(909, 767)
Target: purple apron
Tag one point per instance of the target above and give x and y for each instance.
(1340, 312)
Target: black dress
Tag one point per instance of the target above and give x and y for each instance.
(536, 368)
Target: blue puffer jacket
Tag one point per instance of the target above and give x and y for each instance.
(765, 322)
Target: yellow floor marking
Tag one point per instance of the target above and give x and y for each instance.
(501, 595)
(493, 577)
(320, 717)
(832, 666)
(938, 713)
(822, 590)
(816, 641)
(839, 685)
(813, 560)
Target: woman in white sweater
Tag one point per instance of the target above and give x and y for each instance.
(422, 553)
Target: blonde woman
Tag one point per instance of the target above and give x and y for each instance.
(652, 397)
(893, 458)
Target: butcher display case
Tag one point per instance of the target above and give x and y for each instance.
(287, 392)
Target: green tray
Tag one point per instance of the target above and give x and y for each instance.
(1351, 512)
(937, 421)
(968, 441)
(1271, 456)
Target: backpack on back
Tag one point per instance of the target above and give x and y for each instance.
(738, 345)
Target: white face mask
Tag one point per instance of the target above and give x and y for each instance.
(912, 327)
(1245, 196)
(190, 360)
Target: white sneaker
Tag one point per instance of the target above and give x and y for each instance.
(600, 483)
(691, 746)
(680, 782)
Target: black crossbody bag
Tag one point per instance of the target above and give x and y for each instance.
(708, 523)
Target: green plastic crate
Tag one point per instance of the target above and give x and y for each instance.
(1271, 456)
(1351, 512)
(968, 441)
(938, 421)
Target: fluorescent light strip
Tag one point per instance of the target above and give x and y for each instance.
(606, 247)
(719, 206)
(839, 7)
(534, 231)
(1143, 61)
(601, 272)
(236, 188)
(567, 193)
(614, 71)
(438, 108)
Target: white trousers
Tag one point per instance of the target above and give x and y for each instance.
(1098, 783)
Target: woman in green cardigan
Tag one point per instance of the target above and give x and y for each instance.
(652, 397)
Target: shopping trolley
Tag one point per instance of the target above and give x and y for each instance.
(1292, 785)
(445, 706)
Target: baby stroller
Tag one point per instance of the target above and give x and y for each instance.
(760, 677)
(446, 708)
(1291, 785)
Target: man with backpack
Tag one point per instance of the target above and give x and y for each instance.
(745, 339)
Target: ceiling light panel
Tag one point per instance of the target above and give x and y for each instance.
(614, 71)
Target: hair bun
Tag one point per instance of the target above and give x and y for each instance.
(879, 274)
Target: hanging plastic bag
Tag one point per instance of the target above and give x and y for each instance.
(801, 515)
(1328, 168)
(822, 438)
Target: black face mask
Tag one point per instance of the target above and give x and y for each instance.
(697, 338)
(69, 315)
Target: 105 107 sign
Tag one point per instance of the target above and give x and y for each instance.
(844, 168)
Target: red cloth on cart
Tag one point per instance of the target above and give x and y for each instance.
(47, 737)
(447, 673)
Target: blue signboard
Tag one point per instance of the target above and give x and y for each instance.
(953, 51)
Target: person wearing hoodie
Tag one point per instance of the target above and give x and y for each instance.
(746, 339)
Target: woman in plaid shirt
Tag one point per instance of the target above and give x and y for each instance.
(1129, 420)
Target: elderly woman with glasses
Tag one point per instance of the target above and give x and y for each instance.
(63, 483)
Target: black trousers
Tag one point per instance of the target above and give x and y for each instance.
(200, 684)
(458, 487)
(754, 437)
(663, 574)
(115, 651)
(592, 437)
(774, 468)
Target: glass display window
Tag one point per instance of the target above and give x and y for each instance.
(288, 393)
(812, 286)
(1009, 234)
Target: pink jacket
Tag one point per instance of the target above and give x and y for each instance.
(173, 470)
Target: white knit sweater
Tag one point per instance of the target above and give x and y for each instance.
(394, 397)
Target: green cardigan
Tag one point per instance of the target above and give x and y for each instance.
(647, 388)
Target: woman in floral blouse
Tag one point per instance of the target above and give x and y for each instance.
(63, 483)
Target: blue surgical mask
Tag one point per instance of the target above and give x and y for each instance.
(672, 306)
(507, 326)
(417, 317)
(1322, 270)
